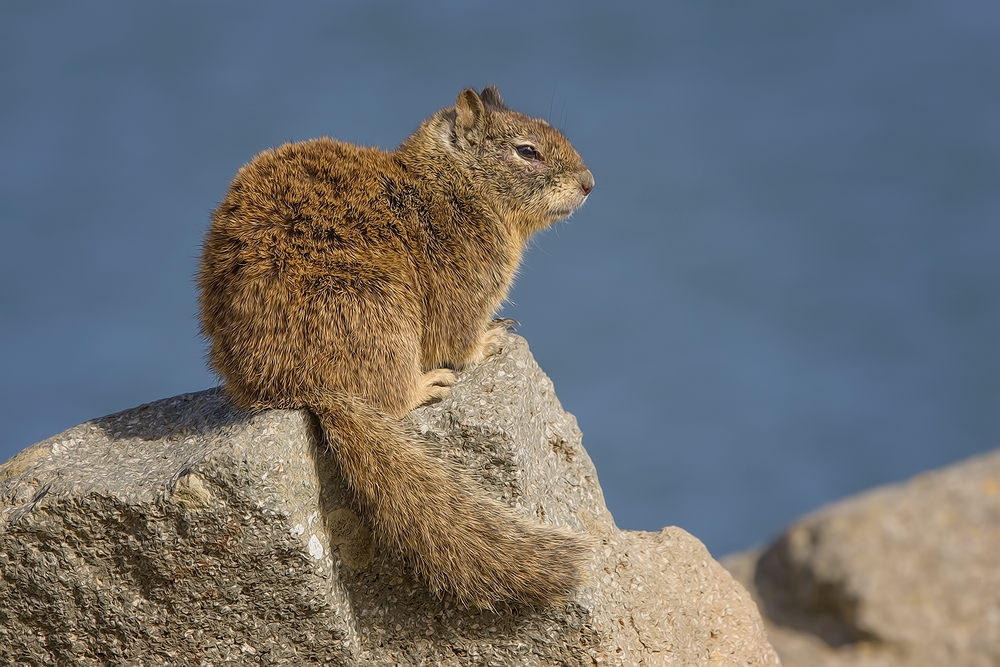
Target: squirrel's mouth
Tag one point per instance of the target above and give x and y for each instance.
(560, 212)
(557, 214)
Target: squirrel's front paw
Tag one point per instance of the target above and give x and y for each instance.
(505, 323)
(492, 340)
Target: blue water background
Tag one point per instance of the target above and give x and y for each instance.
(785, 288)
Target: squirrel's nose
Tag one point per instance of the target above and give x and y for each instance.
(587, 182)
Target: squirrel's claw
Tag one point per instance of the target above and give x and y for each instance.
(505, 323)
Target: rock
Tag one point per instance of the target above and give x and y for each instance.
(186, 532)
(902, 575)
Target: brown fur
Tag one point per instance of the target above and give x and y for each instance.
(345, 279)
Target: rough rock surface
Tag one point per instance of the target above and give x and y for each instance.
(185, 532)
(901, 575)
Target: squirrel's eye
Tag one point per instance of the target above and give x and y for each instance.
(529, 153)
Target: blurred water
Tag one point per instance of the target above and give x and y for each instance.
(784, 289)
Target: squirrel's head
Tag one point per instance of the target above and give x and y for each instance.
(523, 167)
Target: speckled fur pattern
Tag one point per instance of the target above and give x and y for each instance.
(352, 281)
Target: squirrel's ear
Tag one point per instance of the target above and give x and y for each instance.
(469, 117)
(491, 98)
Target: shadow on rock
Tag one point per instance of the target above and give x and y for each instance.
(795, 597)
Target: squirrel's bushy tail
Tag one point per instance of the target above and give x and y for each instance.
(458, 539)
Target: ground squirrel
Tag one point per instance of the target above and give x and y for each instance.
(351, 281)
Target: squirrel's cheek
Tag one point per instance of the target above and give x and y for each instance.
(539, 168)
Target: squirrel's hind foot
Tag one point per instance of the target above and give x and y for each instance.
(435, 385)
